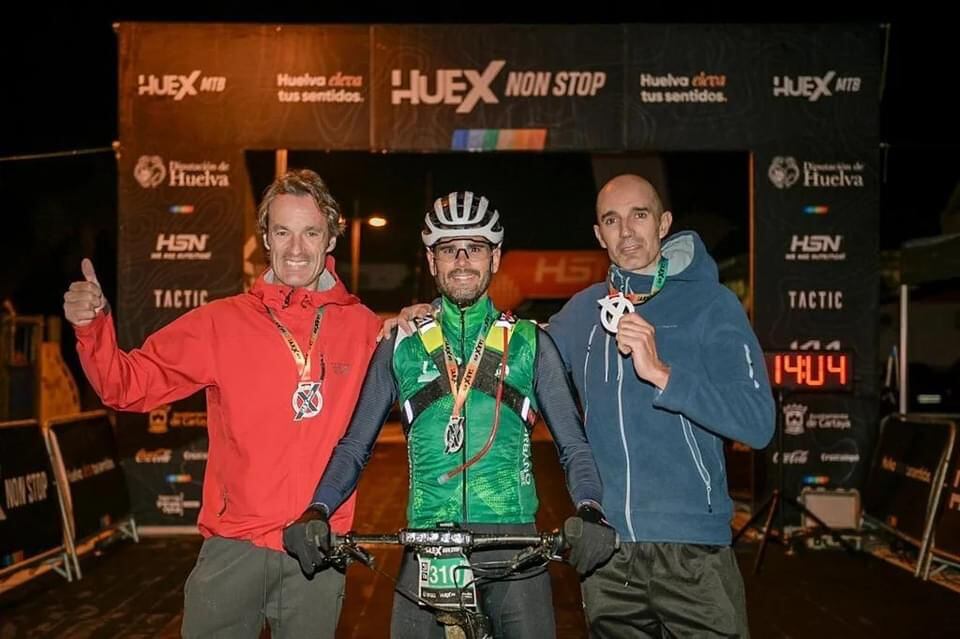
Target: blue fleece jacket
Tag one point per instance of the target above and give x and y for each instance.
(660, 453)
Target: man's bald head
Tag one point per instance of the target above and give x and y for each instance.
(628, 186)
(631, 222)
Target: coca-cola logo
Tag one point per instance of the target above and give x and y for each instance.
(793, 457)
(157, 456)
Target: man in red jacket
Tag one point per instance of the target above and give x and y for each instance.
(282, 366)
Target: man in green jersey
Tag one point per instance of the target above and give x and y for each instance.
(471, 381)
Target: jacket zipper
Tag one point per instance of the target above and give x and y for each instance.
(697, 458)
(463, 449)
(627, 511)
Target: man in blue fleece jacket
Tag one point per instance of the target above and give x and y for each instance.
(666, 366)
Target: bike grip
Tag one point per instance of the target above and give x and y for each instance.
(572, 529)
(562, 543)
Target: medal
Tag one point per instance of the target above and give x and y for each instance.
(453, 435)
(307, 401)
(623, 300)
(612, 308)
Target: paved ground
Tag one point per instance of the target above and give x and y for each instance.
(136, 590)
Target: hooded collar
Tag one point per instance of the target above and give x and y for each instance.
(687, 258)
(279, 296)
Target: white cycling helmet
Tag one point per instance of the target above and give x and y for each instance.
(462, 214)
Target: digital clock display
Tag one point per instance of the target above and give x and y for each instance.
(810, 370)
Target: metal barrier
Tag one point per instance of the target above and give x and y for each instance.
(84, 456)
(32, 514)
(945, 541)
(62, 487)
(903, 491)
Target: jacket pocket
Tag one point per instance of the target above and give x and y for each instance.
(718, 452)
(223, 504)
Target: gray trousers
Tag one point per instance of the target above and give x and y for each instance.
(235, 587)
(667, 590)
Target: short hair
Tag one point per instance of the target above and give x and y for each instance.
(302, 182)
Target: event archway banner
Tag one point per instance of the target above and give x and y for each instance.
(803, 100)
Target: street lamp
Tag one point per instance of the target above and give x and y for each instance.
(356, 223)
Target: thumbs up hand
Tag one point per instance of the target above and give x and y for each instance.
(84, 300)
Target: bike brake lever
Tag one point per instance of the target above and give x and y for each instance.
(525, 556)
(360, 555)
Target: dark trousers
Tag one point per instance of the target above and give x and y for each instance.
(667, 590)
(235, 587)
(519, 607)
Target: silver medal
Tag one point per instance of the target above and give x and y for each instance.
(307, 401)
(612, 308)
(453, 435)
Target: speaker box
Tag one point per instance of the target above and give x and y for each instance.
(838, 509)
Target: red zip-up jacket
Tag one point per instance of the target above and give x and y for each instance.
(262, 466)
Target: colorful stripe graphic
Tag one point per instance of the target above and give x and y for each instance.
(499, 140)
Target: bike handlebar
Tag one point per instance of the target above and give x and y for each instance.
(534, 548)
(444, 537)
(537, 546)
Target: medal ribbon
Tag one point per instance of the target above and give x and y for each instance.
(469, 373)
(303, 362)
(639, 298)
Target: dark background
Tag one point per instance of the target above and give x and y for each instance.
(60, 76)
